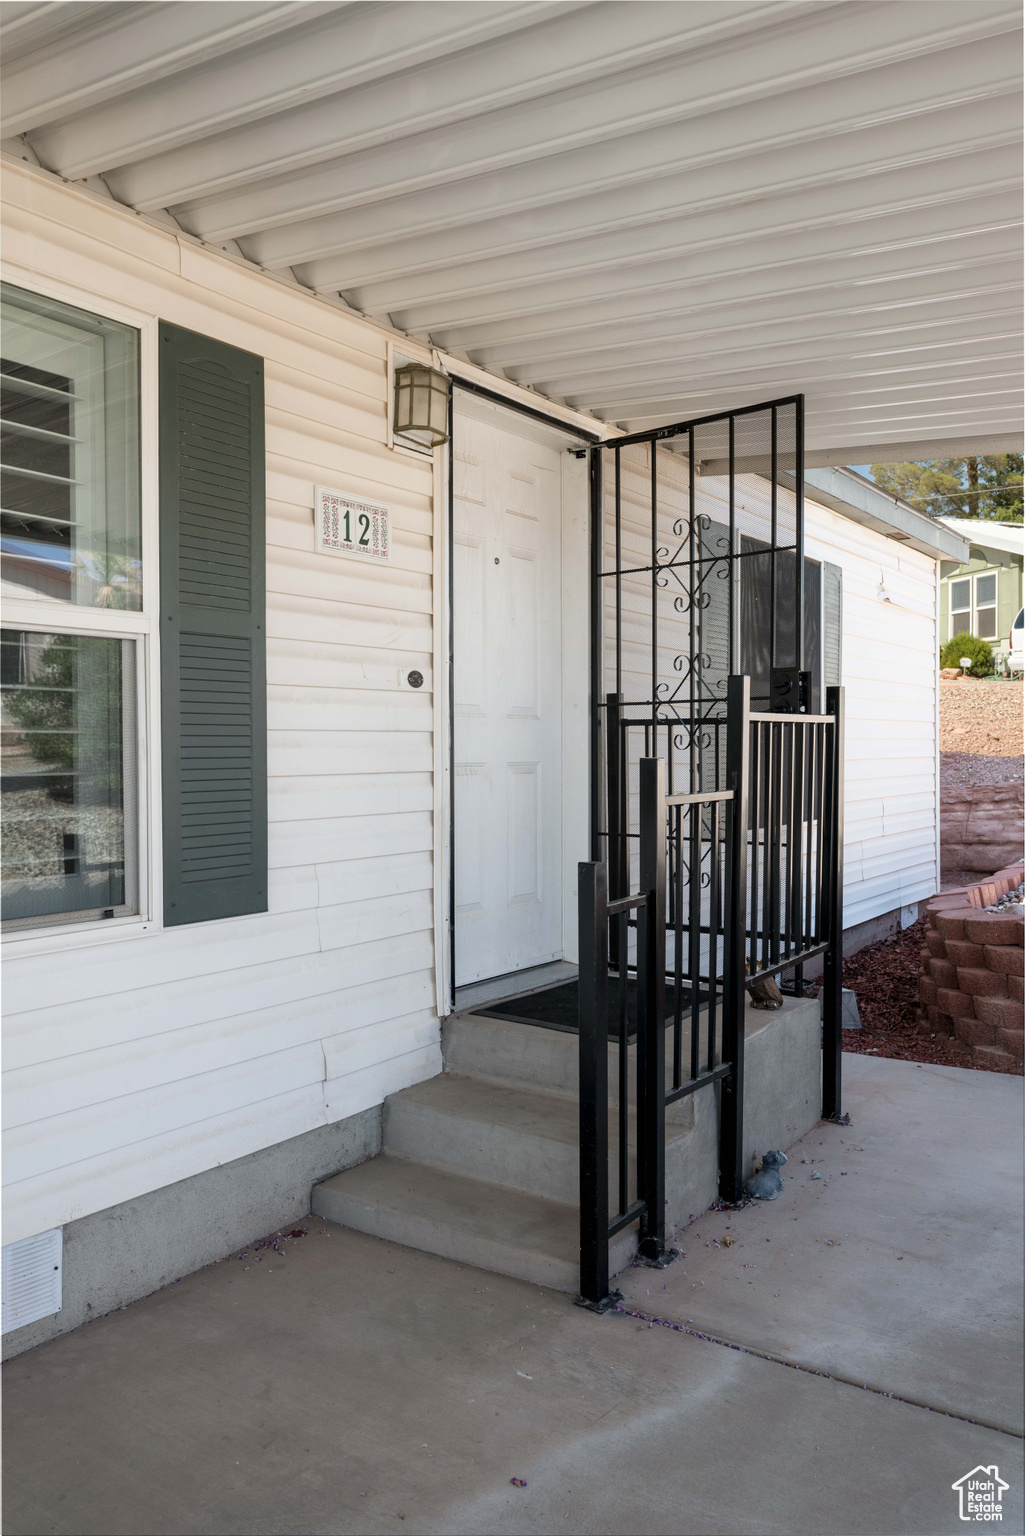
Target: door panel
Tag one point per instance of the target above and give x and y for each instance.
(507, 510)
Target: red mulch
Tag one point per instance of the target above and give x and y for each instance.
(884, 978)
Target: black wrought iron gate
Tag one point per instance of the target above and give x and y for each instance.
(716, 823)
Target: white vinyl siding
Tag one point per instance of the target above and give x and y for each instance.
(133, 1064)
(890, 639)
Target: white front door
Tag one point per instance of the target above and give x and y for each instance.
(507, 530)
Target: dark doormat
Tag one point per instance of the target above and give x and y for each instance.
(556, 1007)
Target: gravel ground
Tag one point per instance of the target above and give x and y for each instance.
(981, 718)
(957, 768)
(884, 978)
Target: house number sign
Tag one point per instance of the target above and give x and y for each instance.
(348, 525)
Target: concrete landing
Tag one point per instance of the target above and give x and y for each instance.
(350, 1387)
(900, 1267)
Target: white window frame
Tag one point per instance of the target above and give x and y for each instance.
(142, 627)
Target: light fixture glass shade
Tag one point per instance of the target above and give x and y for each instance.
(421, 404)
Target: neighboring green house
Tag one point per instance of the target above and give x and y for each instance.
(984, 595)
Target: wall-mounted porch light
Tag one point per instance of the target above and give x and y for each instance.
(421, 404)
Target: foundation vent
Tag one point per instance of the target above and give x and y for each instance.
(32, 1279)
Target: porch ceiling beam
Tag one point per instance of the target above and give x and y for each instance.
(892, 196)
(937, 141)
(295, 70)
(581, 180)
(823, 399)
(825, 43)
(122, 53)
(828, 366)
(703, 355)
(925, 238)
(898, 452)
(788, 315)
(835, 395)
(549, 64)
(26, 27)
(867, 276)
(932, 85)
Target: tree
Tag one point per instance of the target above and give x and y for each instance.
(987, 487)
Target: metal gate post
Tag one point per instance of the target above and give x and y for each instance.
(832, 968)
(616, 845)
(592, 885)
(731, 1102)
(651, 1015)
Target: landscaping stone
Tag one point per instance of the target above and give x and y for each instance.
(1013, 1041)
(977, 982)
(1003, 1012)
(943, 973)
(960, 952)
(988, 928)
(955, 1003)
(1016, 988)
(1003, 957)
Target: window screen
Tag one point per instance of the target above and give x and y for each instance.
(960, 606)
(67, 777)
(986, 606)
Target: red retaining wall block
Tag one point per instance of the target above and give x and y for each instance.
(935, 943)
(926, 991)
(1001, 1011)
(950, 924)
(977, 1032)
(993, 928)
(943, 973)
(960, 952)
(941, 1022)
(1013, 1042)
(978, 982)
(956, 1004)
(1007, 958)
(1016, 988)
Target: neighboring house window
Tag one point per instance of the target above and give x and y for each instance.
(961, 606)
(986, 606)
(70, 553)
(973, 605)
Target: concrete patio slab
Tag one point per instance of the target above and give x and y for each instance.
(900, 1267)
(349, 1385)
(358, 1387)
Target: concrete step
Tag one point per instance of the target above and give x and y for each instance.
(474, 1222)
(518, 1137)
(534, 1057)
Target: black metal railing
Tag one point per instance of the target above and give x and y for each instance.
(733, 885)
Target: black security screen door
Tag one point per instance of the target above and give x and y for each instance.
(698, 571)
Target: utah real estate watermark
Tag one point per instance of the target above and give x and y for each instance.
(981, 1492)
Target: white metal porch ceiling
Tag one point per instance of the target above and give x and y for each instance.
(645, 210)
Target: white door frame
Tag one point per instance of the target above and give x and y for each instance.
(576, 598)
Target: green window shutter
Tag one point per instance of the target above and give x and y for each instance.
(832, 625)
(212, 629)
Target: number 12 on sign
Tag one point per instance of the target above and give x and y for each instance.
(348, 525)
